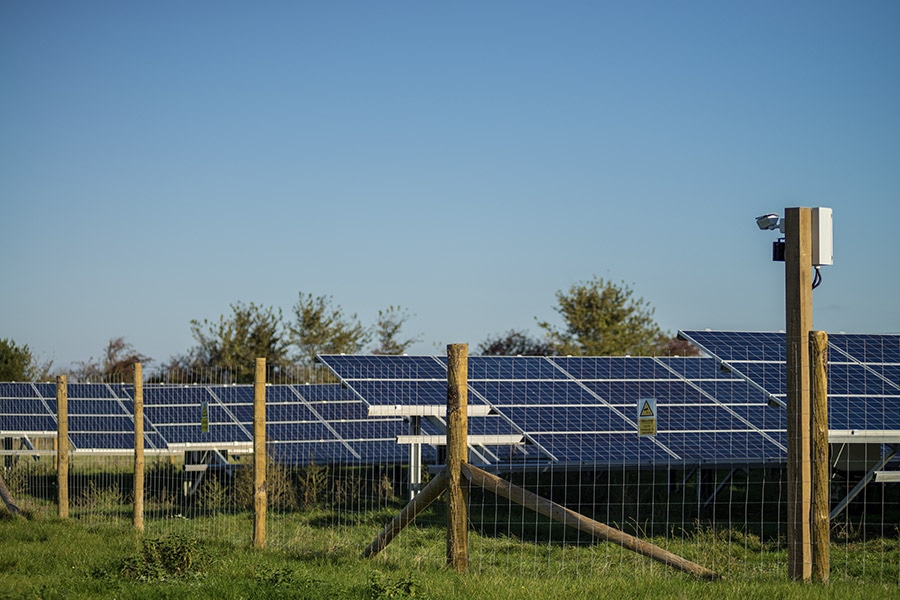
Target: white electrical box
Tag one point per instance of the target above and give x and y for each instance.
(822, 238)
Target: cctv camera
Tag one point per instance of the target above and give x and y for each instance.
(768, 222)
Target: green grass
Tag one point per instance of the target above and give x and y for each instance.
(314, 555)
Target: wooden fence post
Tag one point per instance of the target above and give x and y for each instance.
(821, 523)
(259, 455)
(62, 447)
(457, 454)
(798, 305)
(138, 447)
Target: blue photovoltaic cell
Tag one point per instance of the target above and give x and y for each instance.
(339, 411)
(167, 415)
(100, 423)
(17, 390)
(851, 413)
(45, 390)
(356, 367)
(696, 368)
(560, 419)
(283, 412)
(512, 368)
(92, 406)
(614, 447)
(696, 417)
(769, 375)
(730, 345)
(365, 430)
(733, 392)
(491, 426)
(21, 414)
(22, 406)
(524, 393)
(105, 440)
(175, 395)
(320, 392)
(218, 433)
(243, 413)
(722, 446)
(765, 417)
(618, 367)
(279, 393)
(317, 452)
(891, 373)
(404, 393)
(868, 348)
(242, 394)
(299, 431)
(25, 422)
(89, 390)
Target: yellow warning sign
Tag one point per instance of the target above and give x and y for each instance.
(646, 416)
(204, 417)
(647, 427)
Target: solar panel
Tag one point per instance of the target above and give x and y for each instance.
(582, 409)
(863, 373)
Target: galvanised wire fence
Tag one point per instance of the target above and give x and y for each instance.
(352, 441)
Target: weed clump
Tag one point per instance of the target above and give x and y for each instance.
(380, 587)
(165, 558)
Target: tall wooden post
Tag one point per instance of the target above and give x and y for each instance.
(62, 447)
(798, 299)
(138, 448)
(457, 454)
(259, 455)
(821, 523)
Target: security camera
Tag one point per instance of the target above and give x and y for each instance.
(768, 222)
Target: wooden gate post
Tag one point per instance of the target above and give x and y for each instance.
(62, 447)
(259, 455)
(138, 519)
(821, 522)
(457, 454)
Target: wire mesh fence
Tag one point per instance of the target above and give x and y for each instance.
(349, 443)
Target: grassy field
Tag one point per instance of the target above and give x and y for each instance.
(314, 555)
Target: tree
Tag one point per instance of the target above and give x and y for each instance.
(321, 328)
(18, 363)
(231, 345)
(116, 365)
(674, 346)
(387, 328)
(603, 319)
(516, 343)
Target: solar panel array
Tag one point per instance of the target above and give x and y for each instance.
(863, 372)
(575, 411)
(717, 409)
(324, 423)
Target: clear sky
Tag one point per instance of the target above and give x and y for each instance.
(160, 161)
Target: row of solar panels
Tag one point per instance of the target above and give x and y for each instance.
(719, 409)
(863, 372)
(321, 423)
(580, 410)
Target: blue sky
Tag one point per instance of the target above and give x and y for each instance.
(162, 161)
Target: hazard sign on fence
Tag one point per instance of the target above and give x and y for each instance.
(646, 416)
(204, 417)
